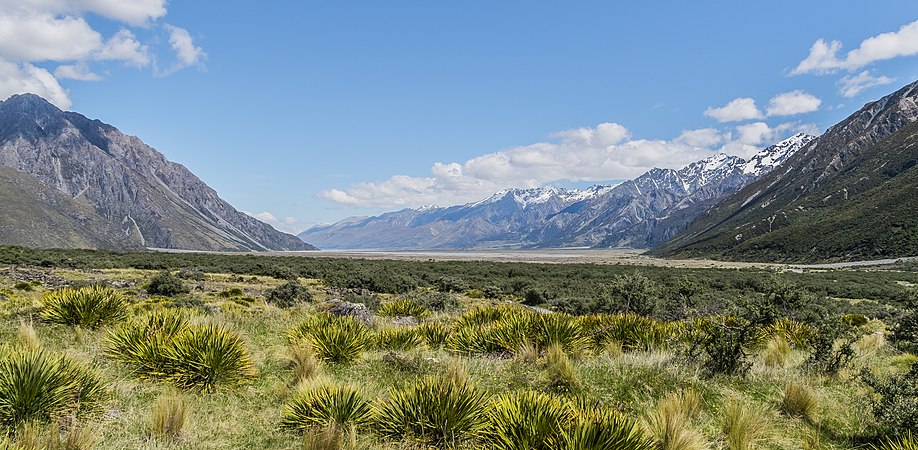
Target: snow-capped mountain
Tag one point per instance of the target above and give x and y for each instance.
(637, 213)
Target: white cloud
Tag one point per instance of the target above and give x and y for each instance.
(55, 32)
(605, 152)
(187, 53)
(824, 56)
(738, 109)
(17, 78)
(123, 46)
(791, 103)
(76, 72)
(851, 85)
(287, 224)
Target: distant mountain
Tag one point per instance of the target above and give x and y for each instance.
(69, 181)
(851, 194)
(638, 213)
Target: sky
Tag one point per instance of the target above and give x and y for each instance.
(304, 113)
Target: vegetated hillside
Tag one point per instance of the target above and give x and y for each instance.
(287, 362)
(142, 197)
(35, 215)
(636, 214)
(849, 195)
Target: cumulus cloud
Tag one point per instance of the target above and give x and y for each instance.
(17, 78)
(824, 56)
(851, 85)
(287, 224)
(738, 109)
(791, 103)
(604, 152)
(35, 34)
(187, 53)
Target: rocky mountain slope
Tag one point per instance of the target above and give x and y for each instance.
(851, 194)
(638, 213)
(123, 192)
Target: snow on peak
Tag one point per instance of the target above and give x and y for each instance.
(766, 160)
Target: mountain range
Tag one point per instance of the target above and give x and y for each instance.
(638, 213)
(71, 182)
(852, 194)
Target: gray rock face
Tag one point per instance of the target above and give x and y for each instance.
(152, 201)
(358, 311)
(639, 213)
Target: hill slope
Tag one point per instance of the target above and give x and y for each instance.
(851, 194)
(132, 188)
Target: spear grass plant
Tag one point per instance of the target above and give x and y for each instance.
(339, 339)
(89, 307)
(321, 404)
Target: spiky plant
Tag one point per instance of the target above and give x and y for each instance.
(38, 386)
(433, 410)
(799, 401)
(483, 315)
(596, 429)
(334, 338)
(322, 405)
(142, 343)
(512, 331)
(400, 338)
(745, 426)
(796, 333)
(204, 356)
(435, 334)
(525, 421)
(473, 339)
(559, 329)
(402, 307)
(90, 307)
(904, 442)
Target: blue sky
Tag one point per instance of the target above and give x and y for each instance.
(308, 112)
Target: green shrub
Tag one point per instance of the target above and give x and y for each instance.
(723, 345)
(401, 308)
(24, 286)
(896, 404)
(905, 333)
(167, 284)
(37, 386)
(433, 410)
(400, 338)
(289, 295)
(89, 307)
(832, 348)
(434, 300)
(633, 293)
(334, 338)
(204, 356)
(230, 293)
(323, 405)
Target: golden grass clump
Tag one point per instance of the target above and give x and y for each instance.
(670, 423)
(559, 370)
(303, 361)
(799, 401)
(745, 426)
(169, 416)
(777, 352)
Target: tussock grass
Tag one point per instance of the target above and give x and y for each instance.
(169, 416)
(777, 352)
(799, 401)
(33, 436)
(26, 337)
(746, 427)
(670, 423)
(90, 307)
(303, 361)
(559, 370)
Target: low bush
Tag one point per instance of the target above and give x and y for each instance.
(434, 410)
(324, 405)
(167, 284)
(896, 402)
(289, 295)
(90, 307)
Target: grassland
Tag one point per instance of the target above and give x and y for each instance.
(651, 381)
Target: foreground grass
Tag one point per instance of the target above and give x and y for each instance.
(636, 383)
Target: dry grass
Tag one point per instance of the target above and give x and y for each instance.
(746, 426)
(27, 338)
(169, 416)
(799, 401)
(777, 352)
(303, 361)
(670, 423)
